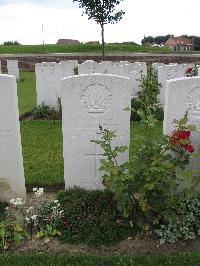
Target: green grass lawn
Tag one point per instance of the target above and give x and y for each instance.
(192, 259)
(82, 48)
(26, 90)
(42, 151)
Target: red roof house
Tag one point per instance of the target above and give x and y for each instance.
(179, 44)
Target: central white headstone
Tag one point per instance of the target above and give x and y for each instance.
(89, 101)
(12, 182)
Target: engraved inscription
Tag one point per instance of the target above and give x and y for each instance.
(96, 98)
(44, 72)
(5, 132)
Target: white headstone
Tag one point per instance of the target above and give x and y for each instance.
(104, 67)
(12, 67)
(124, 63)
(88, 67)
(165, 73)
(183, 95)
(134, 72)
(48, 85)
(87, 102)
(156, 65)
(68, 67)
(12, 182)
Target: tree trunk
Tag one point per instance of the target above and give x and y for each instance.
(103, 44)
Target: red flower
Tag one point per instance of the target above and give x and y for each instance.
(177, 136)
(189, 70)
(189, 148)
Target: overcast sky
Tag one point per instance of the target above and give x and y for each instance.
(22, 20)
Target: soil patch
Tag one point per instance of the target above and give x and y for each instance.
(139, 245)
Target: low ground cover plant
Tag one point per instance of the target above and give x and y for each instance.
(91, 217)
(23, 222)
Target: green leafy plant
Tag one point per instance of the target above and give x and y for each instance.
(146, 100)
(46, 112)
(182, 220)
(47, 233)
(11, 232)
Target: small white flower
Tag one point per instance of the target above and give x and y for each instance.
(34, 189)
(19, 199)
(27, 219)
(34, 217)
(56, 201)
(12, 201)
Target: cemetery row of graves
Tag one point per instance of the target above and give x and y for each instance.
(120, 177)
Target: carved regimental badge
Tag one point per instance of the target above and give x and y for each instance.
(96, 98)
(193, 101)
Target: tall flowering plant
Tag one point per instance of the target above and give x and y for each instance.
(180, 142)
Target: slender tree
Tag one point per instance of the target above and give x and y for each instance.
(103, 12)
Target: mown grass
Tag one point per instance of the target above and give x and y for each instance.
(81, 48)
(43, 155)
(192, 259)
(26, 90)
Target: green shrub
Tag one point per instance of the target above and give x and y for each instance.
(146, 100)
(46, 112)
(142, 196)
(91, 217)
